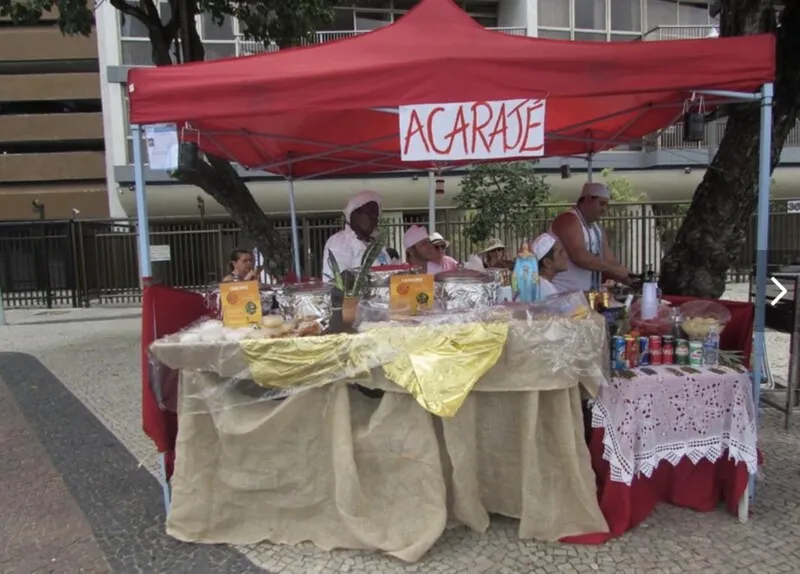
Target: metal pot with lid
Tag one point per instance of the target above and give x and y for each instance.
(380, 277)
(306, 301)
(465, 289)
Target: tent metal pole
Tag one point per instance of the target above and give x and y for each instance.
(732, 95)
(295, 234)
(431, 202)
(762, 244)
(145, 268)
(589, 168)
(143, 225)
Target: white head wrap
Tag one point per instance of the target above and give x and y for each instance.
(361, 199)
(595, 190)
(414, 235)
(542, 245)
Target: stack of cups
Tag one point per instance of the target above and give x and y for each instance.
(649, 301)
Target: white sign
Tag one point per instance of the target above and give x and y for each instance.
(160, 253)
(472, 130)
(793, 206)
(162, 146)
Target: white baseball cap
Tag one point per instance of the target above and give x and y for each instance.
(437, 237)
(414, 235)
(542, 245)
(595, 190)
(360, 200)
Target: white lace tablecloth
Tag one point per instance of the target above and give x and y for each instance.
(674, 414)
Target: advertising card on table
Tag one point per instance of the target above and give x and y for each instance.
(241, 303)
(412, 292)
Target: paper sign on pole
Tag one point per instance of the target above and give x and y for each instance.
(160, 253)
(472, 130)
(162, 146)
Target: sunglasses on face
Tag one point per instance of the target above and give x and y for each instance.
(439, 246)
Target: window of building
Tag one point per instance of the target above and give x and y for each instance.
(366, 21)
(626, 15)
(211, 30)
(590, 14)
(554, 14)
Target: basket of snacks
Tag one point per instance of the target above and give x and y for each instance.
(697, 318)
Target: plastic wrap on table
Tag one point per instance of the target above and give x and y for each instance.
(464, 289)
(438, 356)
(380, 276)
(697, 317)
(307, 301)
(661, 324)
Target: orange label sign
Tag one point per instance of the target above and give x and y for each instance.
(411, 292)
(241, 303)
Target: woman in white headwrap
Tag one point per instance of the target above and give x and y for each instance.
(552, 259)
(360, 231)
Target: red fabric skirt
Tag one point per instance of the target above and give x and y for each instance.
(700, 487)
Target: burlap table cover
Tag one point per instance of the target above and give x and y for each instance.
(342, 470)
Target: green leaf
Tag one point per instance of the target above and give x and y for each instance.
(502, 194)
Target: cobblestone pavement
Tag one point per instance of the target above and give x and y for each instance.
(94, 355)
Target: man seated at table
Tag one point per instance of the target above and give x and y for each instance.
(552, 260)
(360, 231)
(420, 251)
(441, 244)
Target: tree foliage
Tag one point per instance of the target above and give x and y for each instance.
(621, 187)
(281, 22)
(501, 194)
(713, 233)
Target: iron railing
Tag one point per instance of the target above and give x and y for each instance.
(83, 263)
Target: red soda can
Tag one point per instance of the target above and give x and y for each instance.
(656, 350)
(668, 350)
(632, 351)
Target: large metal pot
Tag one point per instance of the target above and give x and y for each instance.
(465, 289)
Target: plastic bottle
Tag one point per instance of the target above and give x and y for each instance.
(711, 347)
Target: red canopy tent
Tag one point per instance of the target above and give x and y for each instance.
(316, 110)
(309, 110)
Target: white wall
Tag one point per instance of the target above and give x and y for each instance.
(108, 50)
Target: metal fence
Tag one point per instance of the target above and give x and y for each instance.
(82, 263)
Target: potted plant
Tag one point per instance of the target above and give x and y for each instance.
(353, 282)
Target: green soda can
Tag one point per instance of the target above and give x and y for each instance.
(681, 352)
(696, 353)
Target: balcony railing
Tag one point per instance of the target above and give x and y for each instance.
(137, 51)
(679, 33)
(672, 137)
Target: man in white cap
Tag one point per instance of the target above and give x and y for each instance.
(360, 231)
(552, 260)
(440, 244)
(420, 251)
(590, 257)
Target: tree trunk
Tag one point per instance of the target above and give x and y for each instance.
(215, 175)
(714, 230)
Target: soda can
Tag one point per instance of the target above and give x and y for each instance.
(681, 352)
(644, 351)
(696, 353)
(668, 350)
(655, 350)
(619, 359)
(631, 351)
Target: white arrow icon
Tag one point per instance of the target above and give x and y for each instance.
(781, 294)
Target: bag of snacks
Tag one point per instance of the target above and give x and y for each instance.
(658, 325)
(697, 317)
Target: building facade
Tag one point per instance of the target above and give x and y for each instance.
(51, 126)
(662, 166)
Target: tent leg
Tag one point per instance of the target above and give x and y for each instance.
(589, 168)
(762, 246)
(162, 475)
(143, 225)
(431, 202)
(295, 233)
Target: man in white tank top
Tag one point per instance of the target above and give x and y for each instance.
(590, 257)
